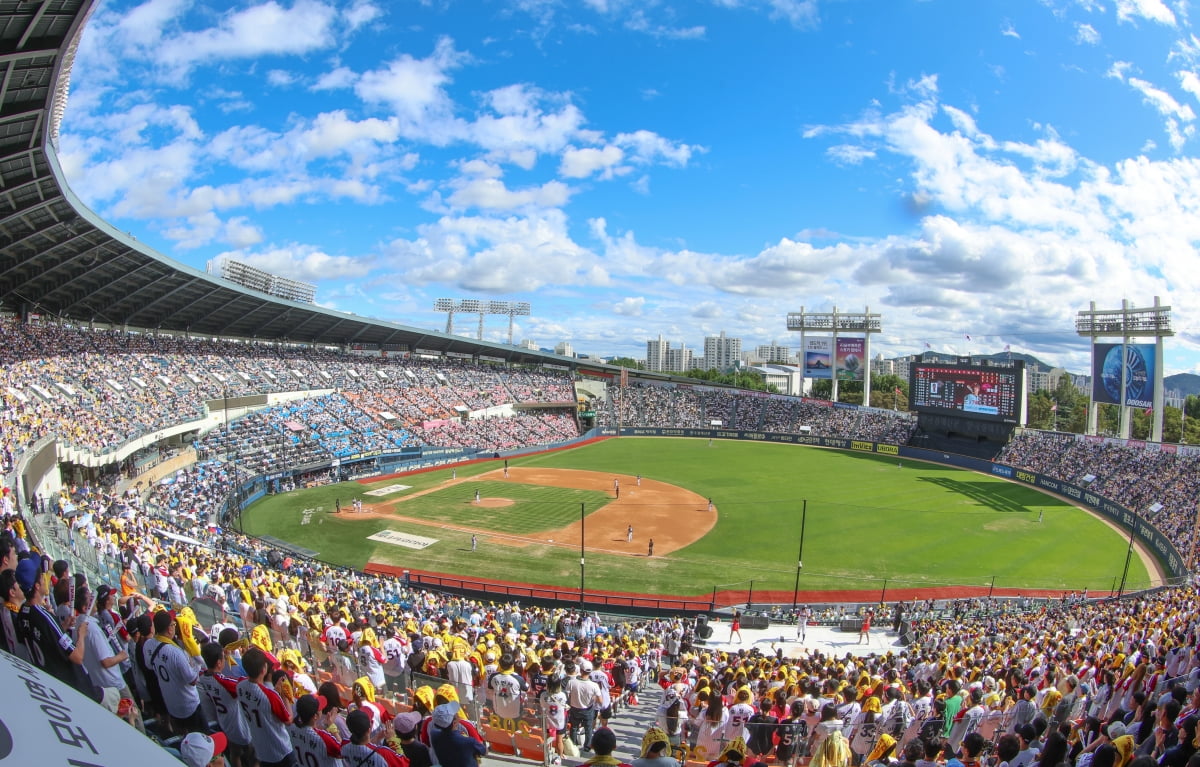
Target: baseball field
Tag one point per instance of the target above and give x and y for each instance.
(872, 523)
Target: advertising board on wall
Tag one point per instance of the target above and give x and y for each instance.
(818, 357)
(1137, 370)
(851, 358)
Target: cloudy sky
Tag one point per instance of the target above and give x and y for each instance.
(637, 167)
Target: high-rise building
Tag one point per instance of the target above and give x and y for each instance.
(721, 352)
(896, 366)
(679, 360)
(656, 354)
(773, 352)
(565, 349)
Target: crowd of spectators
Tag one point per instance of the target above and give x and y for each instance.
(684, 407)
(1074, 675)
(1084, 681)
(1136, 476)
(96, 390)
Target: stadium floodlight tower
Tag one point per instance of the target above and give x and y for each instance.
(511, 309)
(466, 306)
(450, 306)
(476, 306)
(846, 323)
(1121, 372)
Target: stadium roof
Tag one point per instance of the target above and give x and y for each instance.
(57, 258)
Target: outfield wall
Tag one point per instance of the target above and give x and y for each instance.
(1159, 545)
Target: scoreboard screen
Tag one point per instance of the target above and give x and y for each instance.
(977, 391)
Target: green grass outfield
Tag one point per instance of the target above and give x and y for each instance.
(868, 520)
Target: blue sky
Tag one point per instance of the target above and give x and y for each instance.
(631, 169)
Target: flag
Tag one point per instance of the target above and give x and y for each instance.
(1149, 410)
(897, 391)
(1054, 408)
(1008, 347)
(927, 346)
(968, 338)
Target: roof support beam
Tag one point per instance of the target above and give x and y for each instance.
(4, 222)
(33, 22)
(65, 262)
(160, 299)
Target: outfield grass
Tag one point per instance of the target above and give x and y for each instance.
(868, 520)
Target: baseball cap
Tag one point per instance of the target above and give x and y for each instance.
(308, 706)
(358, 722)
(28, 570)
(103, 591)
(445, 714)
(198, 749)
(407, 722)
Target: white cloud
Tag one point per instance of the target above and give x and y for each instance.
(1190, 82)
(848, 154)
(630, 306)
(518, 124)
(581, 163)
(361, 12)
(1151, 10)
(1163, 102)
(265, 29)
(307, 263)
(492, 194)
(335, 79)
(1086, 34)
(144, 24)
(638, 22)
(798, 13)
(281, 78)
(240, 232)
(497, 255)
(414, 89)
(649, 147)
(1119, 70)
(1177, 116)
(1008, 30)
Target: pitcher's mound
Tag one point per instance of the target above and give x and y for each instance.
(494, 503)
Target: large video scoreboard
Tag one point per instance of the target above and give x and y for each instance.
(992, 392)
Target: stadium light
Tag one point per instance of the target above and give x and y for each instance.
(481, 307)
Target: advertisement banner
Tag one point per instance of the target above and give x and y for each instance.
(818, 357)
(851, 358)
(1132, 362)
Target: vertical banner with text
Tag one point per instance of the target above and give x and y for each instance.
(851, 360)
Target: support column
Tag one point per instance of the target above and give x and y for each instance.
(1124, 421)
(1092, 414)
(833, 369)
(1156, 417)
(867, 363)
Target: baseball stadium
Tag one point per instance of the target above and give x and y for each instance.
(405, 523)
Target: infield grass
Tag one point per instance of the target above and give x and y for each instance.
(869, 519)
